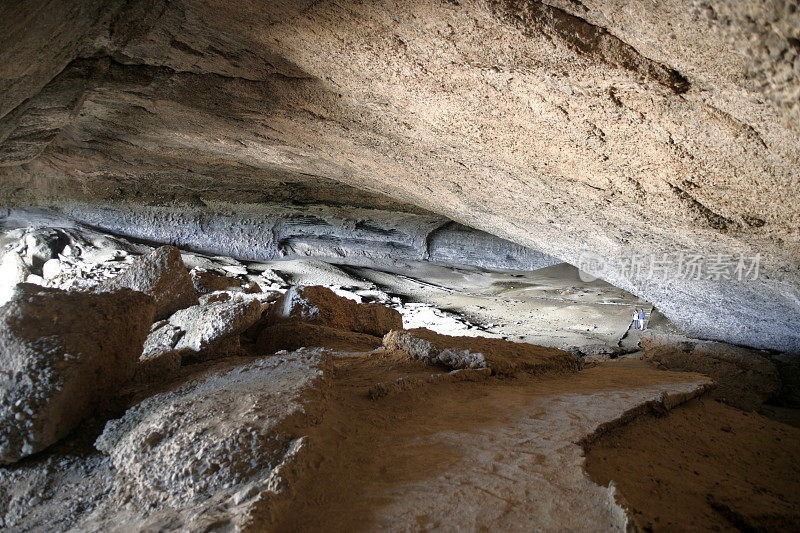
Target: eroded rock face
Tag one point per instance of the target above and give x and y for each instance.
(64, 357)
(597, 126)
(161, 275)
(320, 305)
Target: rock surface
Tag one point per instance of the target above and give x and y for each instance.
(161, 275)
(64, 357)
(200, 332)
(598, 127)
(294, 335)
(502, 357)
(321, 306)
(213, 444)
(744, 378)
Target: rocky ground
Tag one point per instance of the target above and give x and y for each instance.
(304, 395)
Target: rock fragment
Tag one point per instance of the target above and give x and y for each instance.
(320, 305)
(162, 275)
(217, 436)
(64, 357)
(201, 332)
(502, 357)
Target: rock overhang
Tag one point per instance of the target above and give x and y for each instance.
(571, 128)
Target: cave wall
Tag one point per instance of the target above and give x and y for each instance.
(614, 128)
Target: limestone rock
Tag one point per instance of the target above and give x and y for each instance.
(215, 436)
(162, 275)
(502, 357)
(64, 357)
(600, 130)
(320, 305)
(744, 378)
(201, 332)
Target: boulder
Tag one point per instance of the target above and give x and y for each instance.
(321, 306)
(202, 332)
(42, 245)
(745, 378)
(214, 439)
(64, 358)
(502, 357)
(162, 275)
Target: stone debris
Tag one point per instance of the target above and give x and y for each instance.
(503, 357)
(41, 245)
(215, 436)
(744, 377)
(320, 305)
(64, 357)
(162, 275)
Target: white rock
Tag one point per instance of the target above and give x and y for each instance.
(33, 278)
(51, 268)
(12, 271)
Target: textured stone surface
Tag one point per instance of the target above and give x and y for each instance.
(12, 271)
(320, 305)
(200, 332)
(605, 126)
(215, 437)
(64, 357)
(161, 275)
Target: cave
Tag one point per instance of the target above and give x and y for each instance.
(338, 265)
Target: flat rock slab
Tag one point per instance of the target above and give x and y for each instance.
(526, 473)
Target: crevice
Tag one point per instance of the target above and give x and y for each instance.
(590, 41)
(714, 220)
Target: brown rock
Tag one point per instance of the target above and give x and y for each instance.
(321, 306)
(502, 357)
(64, 358)
(162, 275)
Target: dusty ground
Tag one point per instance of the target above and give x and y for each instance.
(705, 466)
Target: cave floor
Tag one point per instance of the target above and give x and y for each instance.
(500, 454)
